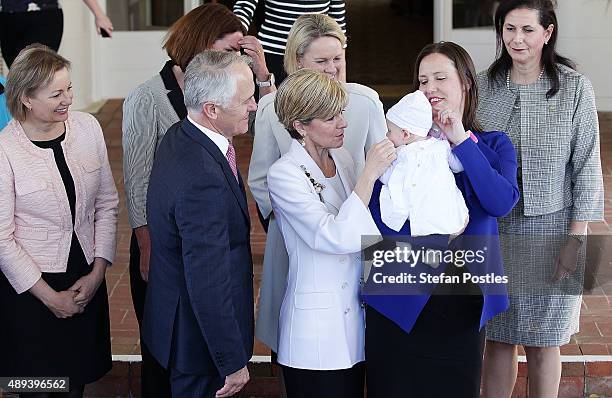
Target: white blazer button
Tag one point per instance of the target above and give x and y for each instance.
(343, 259)
(346, 311)
(344, 285)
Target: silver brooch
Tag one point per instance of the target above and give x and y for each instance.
(316, 184)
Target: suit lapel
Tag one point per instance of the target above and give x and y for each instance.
(175, 94)
(243, 195)
(332, 199)
(347, 176)
(214, 151)
(329, 195)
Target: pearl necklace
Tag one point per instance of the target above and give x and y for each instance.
(508, 77)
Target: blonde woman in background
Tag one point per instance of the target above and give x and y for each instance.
(148, 112)
(316, 42)
(322, 213)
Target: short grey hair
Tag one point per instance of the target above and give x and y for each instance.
(208, 78)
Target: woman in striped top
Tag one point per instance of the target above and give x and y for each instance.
(279, 17)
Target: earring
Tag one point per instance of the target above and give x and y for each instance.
(302, 141)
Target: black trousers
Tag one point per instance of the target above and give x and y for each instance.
(305, 383)
(442, 354)
(154, 379)
(274, 63)
(20, 29)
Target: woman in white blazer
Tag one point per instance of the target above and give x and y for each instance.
(321, 211)
(317, 42)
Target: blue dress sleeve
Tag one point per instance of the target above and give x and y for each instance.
(490, 166)
(5, 116)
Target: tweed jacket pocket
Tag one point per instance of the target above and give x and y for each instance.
(34, 241)
(91, 177)
(92, 165)
(25, 187)
(30, 233)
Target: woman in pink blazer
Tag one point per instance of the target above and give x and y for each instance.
(57, 228)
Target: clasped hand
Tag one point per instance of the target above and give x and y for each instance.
(86, 287)
(73, 301)
(63, 305)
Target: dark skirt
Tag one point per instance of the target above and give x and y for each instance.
(441, 356)
(307, 383)
(34, 342)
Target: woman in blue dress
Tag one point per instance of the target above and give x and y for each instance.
(415, 341)
(5, 116)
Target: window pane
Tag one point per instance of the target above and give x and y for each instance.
(144, 14)
(473, 13)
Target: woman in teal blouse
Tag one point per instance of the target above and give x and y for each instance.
(5, 116)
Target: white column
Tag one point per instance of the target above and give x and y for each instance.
(585, 36)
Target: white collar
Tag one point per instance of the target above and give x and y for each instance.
(215, 137)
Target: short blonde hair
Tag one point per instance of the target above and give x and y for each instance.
(306, 29)
(306, 95)
(34, 68)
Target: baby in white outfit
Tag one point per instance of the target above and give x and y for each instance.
(419, 185)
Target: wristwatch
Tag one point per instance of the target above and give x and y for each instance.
(266, 83)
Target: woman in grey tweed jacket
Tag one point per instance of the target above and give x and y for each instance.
(548, 111)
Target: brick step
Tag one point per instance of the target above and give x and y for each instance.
(124, 381)
(586, 376)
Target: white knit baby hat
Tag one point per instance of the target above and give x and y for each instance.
(413, 113)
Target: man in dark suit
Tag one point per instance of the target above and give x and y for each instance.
(198, 319)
